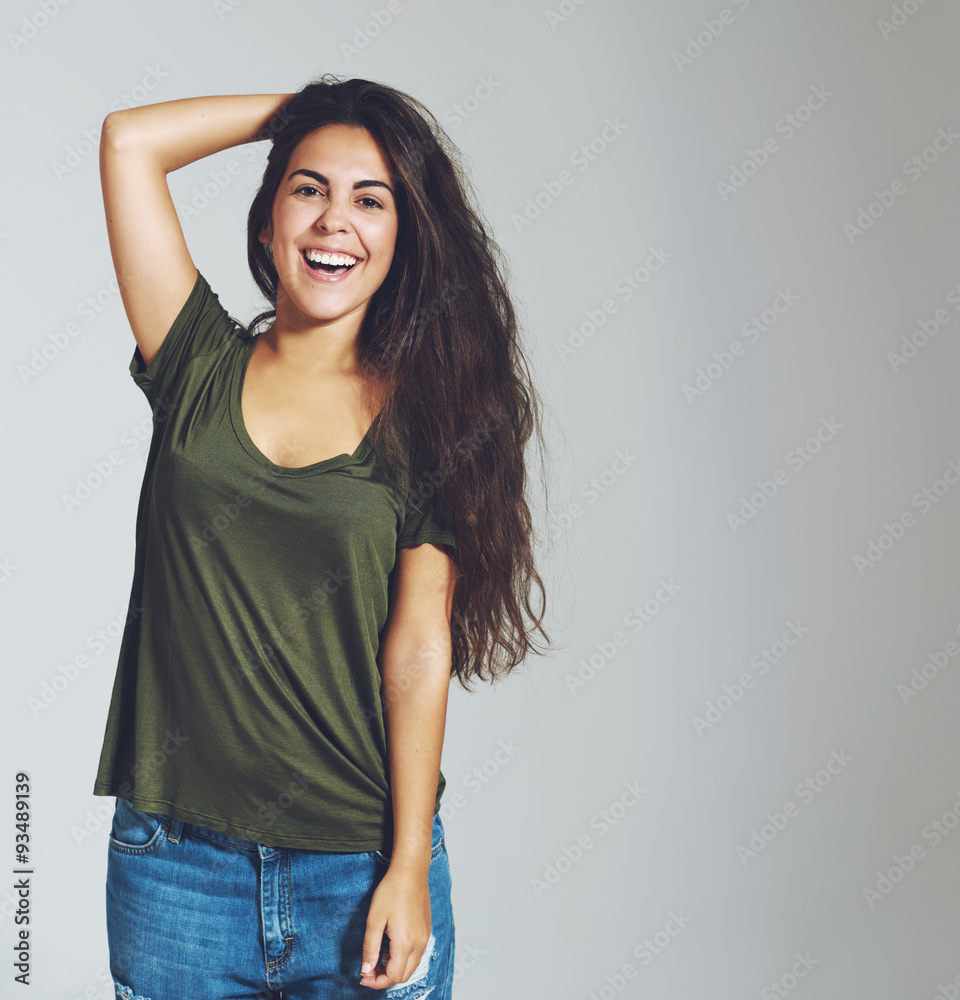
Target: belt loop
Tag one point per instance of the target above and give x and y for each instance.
(173, 828)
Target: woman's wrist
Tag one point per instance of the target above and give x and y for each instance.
(413, 868)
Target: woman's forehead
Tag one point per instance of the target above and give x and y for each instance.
(339, 144)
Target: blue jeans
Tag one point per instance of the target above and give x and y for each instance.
(193, 914)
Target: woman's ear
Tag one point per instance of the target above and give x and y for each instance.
(266, 234)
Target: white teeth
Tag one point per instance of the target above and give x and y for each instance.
(338, 259)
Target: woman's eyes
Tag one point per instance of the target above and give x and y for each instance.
(366, 199)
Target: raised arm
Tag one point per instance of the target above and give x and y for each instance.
(138, 148)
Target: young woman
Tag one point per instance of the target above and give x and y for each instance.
(332, 523)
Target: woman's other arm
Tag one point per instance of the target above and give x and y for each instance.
(138, 148)
(414, 659)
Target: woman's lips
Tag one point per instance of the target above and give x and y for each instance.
(323, 276)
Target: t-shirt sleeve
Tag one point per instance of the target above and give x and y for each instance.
(202, 327)
(427, 518)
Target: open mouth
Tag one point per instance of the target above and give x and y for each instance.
(335, 263)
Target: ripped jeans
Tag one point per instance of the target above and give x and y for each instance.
(193, 913)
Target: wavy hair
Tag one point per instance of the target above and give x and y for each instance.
(440, 335)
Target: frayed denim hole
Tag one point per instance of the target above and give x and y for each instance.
(419, 973)
(125, 993)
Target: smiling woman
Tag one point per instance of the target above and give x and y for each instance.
(333, 523)
(345, 220)
(331, 243)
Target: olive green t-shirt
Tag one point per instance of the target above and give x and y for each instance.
(247, 693)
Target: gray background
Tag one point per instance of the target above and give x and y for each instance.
(533, 916)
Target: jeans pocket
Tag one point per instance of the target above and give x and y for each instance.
(135, 832)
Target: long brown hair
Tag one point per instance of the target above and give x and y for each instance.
(441, 335)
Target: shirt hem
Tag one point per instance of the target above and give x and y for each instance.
(271, 837)
(433, 537)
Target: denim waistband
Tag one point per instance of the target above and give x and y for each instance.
(177, 828)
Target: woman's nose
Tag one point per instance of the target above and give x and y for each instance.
(333, 215)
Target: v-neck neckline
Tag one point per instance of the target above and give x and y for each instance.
(240, 429)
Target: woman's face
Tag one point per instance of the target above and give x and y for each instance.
(336, 195)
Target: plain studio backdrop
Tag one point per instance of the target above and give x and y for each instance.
(732, 233)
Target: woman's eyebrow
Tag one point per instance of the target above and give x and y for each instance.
(320, 179)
